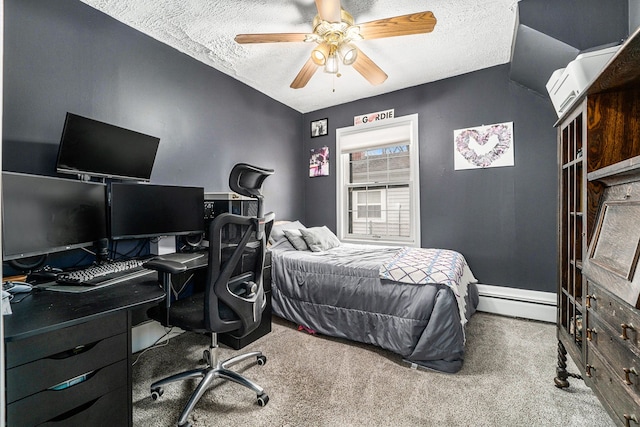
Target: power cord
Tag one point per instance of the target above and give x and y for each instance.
(162, 341)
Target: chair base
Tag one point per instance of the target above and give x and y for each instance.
(208, 374)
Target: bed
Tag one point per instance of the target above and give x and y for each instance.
(412, 301)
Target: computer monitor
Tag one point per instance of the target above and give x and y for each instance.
(148, 210)
(42, 215)
(90, 147)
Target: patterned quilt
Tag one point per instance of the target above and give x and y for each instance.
(422, 266)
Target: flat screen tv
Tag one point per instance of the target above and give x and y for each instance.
(148, 210)
(90, 147)
(42, 215)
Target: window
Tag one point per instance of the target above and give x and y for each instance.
(378, 182)
(368, 204)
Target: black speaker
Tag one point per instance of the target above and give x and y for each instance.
(190, 242)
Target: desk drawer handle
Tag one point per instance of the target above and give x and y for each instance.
(630, 417)
(625, 327)
(588, 370)
(74, 351)
(588, 300)
(627, 372)
(590, 332)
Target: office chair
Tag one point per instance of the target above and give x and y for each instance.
(233, 297)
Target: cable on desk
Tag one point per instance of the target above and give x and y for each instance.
(81, 260)
(137, 249)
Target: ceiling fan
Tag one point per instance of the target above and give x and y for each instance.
(334, 32)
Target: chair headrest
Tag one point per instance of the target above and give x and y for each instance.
(247, 180)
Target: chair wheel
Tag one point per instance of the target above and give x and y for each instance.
(263, 399)
(156, 393)
(206, 357)
(262, 360)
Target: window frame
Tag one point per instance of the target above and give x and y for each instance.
(382, 204)
(400, 130)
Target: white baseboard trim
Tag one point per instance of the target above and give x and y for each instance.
(515, 302)
(148, 333)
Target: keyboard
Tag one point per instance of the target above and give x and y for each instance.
(104, 274)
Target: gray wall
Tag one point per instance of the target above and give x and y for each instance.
(634, 15)
(502, 219)
(582, 24)
(64, 56)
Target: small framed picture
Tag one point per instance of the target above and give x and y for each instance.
(319, 127)
(319, 162)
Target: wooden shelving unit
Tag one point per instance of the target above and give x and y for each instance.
(600, 131)
(572, 229)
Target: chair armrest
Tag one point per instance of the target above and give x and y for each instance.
(165, 266)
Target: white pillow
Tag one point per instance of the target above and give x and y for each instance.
(319, 238)
(277, 231)
(295, 238)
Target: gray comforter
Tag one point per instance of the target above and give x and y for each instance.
(339, 293)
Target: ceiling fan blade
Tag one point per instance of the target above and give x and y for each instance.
(414, 23)
(270, 38)
(369, 70)
(329, 10)
(305, 74)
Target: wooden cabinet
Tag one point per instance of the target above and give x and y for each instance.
(573, 229)
(612, 293)
(599, 236)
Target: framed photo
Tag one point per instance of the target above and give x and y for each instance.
(319, 127)
(319, 162)
(483, 146)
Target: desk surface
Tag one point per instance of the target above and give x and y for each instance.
(43, 311)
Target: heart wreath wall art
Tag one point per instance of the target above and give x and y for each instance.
(484, 146)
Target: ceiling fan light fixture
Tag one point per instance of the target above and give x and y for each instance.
(320, 54)
(334, 34)
(331, 66)
(348, 52)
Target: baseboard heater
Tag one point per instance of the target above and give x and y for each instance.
(526, 304)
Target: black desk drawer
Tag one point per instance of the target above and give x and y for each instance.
(39, 375)
(46, 344)
(106, 411)
(47, 405)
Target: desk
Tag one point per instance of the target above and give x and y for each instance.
(53, 337)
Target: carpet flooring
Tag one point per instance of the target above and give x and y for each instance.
(312, 380)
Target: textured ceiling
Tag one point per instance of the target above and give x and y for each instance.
(469, 35)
